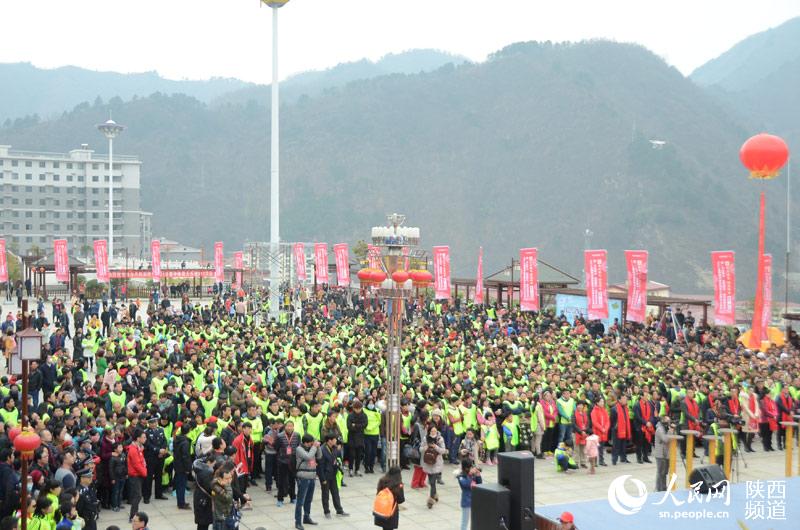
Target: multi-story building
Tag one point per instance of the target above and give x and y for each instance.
(46, 196)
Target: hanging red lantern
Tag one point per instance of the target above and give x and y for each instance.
(421, 278)
(378, 276)
(400, 277)
(13, 433)
(26, 443)
(365, 276)
(764, 155)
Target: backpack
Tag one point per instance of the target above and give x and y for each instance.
(430, 455)
(384, 505)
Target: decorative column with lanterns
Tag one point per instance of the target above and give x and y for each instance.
(764, 155)
(395, 243)
(29, 348)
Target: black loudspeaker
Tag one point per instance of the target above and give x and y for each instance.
(709, 478)
(515, 472)
(491, 507)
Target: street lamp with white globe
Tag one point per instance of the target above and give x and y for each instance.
(110, 130)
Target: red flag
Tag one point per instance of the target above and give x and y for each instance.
(341, 253)
(61, 259)
(374, 255)
(478, 298)
(155, 257)
(528, 279)
(238, 264)
(723, 265)
(636, 261)
(300, 261)
(101, 259)
(407, 260)
(596, 269)
(321, 261)
(441, 270)
(219, 262)
(766, 308)
(3, 262)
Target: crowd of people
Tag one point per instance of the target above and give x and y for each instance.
(140, 398)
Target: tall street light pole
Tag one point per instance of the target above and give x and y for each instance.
(274, 189)
(111, 130)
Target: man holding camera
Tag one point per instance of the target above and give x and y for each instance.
(661, 452)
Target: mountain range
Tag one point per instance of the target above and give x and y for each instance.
(532, 147)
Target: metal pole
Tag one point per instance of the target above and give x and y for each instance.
(788, 234)
(111, 199)
(274, 223)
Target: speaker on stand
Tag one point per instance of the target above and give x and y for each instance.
(515, 472)
(491, 507)
(709, 478)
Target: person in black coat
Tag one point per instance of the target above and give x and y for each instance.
(201, 500)
(182, 464)
(49, 376)
(356, 424)
(327, 467)
(9, 480)
(35, 383)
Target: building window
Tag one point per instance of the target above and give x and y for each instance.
(69, 216)
(15, 176)
(41, 163)
(69, 179)
(42, 202)
(95, 228)
(28, 227)
(57, 202)
(28, 163)
(56, 165)
(95, 203)
(95, 215)
(29, 202)
(56, 215)
(69, 191)
(80, 178)
(95, 178)
(56, 177)
(29, 188)
(28, 176)
(15, 213)
(95, 190)
(81, 203)
(69, 165)
(42, 215)
(41, 176)
(14, 188)
(15, 226)
(95, 166)
(14, 163)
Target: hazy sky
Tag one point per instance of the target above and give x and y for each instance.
(199, 39)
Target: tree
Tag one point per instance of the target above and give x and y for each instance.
(360, 250)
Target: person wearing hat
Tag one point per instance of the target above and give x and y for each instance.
(88, 508)
(155, 452)
(567, 521)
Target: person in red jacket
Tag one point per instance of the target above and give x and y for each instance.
(244, 455)
(620, 430)
(600, 426)
(137, 471)
(785, 405)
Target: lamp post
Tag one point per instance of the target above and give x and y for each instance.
(392, 240)
(111, 130)
(274, 188)
(29, 348)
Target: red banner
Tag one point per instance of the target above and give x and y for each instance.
(155, 256)
(528, 279)
(3, 262)
(238, 265)
(219, 263)
(407, 260)
(374, 256)
(321, 261)
(342, 255)
(441, 272)
(61, 259)
(636, 261)
(478, 298)
(300, 261)
(766, 308)
(723, 265)
(596, 267)
(101, 260)
(165, 273)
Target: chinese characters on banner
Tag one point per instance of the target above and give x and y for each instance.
(374, 255)
(478, 298)
(300, 261)
(321, 262)
(528, 279)
(238, 264)
(155, 257)
(61, 260)
(407, 260)
(723, 265)
(341, 253)
(441, 272)
(3, 262)
(219, 262)
(165, 273)
(101, 259)
(596, 268)
(766, 308)
(636, 261)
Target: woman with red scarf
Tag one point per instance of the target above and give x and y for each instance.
(769, 420)
(690, 417)
(550, 438)
(785, 409)
(600, 426)
(582, 428)
(643, 427)
(620, 430)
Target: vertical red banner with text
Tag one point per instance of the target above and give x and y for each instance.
(238, 264)
(155, 260)
(61, 259)
(219, 262)
(3, 261)
(596, 267)
(321, 261)
(636, 261)
(766, 309)
(300, 261)
(441, 272)
(374, 256)
(723, 266)
(529, 279)
(478, 298)
(341, 253)
(101, 260)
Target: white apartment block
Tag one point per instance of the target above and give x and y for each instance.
(47, 196)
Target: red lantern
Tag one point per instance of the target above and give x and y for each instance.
(378, 276)
(400, 277)
(13, 433)
(421, 278)
(26, 443)
(764, 155)
(365, 276)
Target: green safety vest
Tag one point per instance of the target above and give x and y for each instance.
(10, 417)
(491, 438)
(272, 418)
(341, 421)
(406, 418)
(258, 429)
(313, 425)
(373, 422)
(560, 452)
(569, 409)
(470, 417)
(458, 422)
(534, 417)
(298, 425)
(159, 383)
